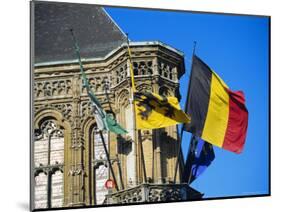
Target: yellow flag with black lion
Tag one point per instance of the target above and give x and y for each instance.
(154, 111)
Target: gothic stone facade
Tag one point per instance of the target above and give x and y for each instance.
(69, 163)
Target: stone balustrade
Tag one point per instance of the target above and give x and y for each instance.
(153, 193)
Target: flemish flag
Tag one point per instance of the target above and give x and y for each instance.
(154, 111)
(104, 121)
(218, 115)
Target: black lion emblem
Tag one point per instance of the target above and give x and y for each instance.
(149, 102)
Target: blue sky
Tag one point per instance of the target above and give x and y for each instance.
(236, 47)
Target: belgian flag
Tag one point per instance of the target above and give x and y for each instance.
(218, 115)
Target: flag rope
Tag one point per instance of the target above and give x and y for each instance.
(131, 67)
(133, 89)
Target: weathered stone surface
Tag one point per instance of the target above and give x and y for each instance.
(60, 97)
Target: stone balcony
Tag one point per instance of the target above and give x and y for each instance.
(153, 193)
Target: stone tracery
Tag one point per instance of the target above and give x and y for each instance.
(63, 96)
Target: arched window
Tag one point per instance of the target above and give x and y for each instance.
(125, 146)
(100, 166)
(57, 189)
(41, 190)
(48, 164)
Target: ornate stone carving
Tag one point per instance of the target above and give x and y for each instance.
(64, 108)
(52, 88)
(48, 127)
(86, 109)
(45, 169)
(144, 88)
(143, 68)
(74, 171)
(152, 193)
(123, 97)
(165, 70)
(77, 139)
(165, 91)
(129, 196)
(146, 135)
(121, 74)
(60, 88)
(165, 194)
(98, 83)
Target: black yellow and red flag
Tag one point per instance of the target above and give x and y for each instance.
(218, 115)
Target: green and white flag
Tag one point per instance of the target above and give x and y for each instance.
(104, 120)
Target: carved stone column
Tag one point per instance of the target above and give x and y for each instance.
(76, 172)
(132, 161)
(175, 74)
(155, 66)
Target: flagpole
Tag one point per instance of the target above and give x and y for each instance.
(120, 172)
(108, 160)
(192, 157)
(107, 87)
(118, 161)
(185, 108)
(100, 132)
(131, 67)
(133, 88)
(153, 141)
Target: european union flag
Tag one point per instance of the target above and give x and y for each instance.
(200, 155)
